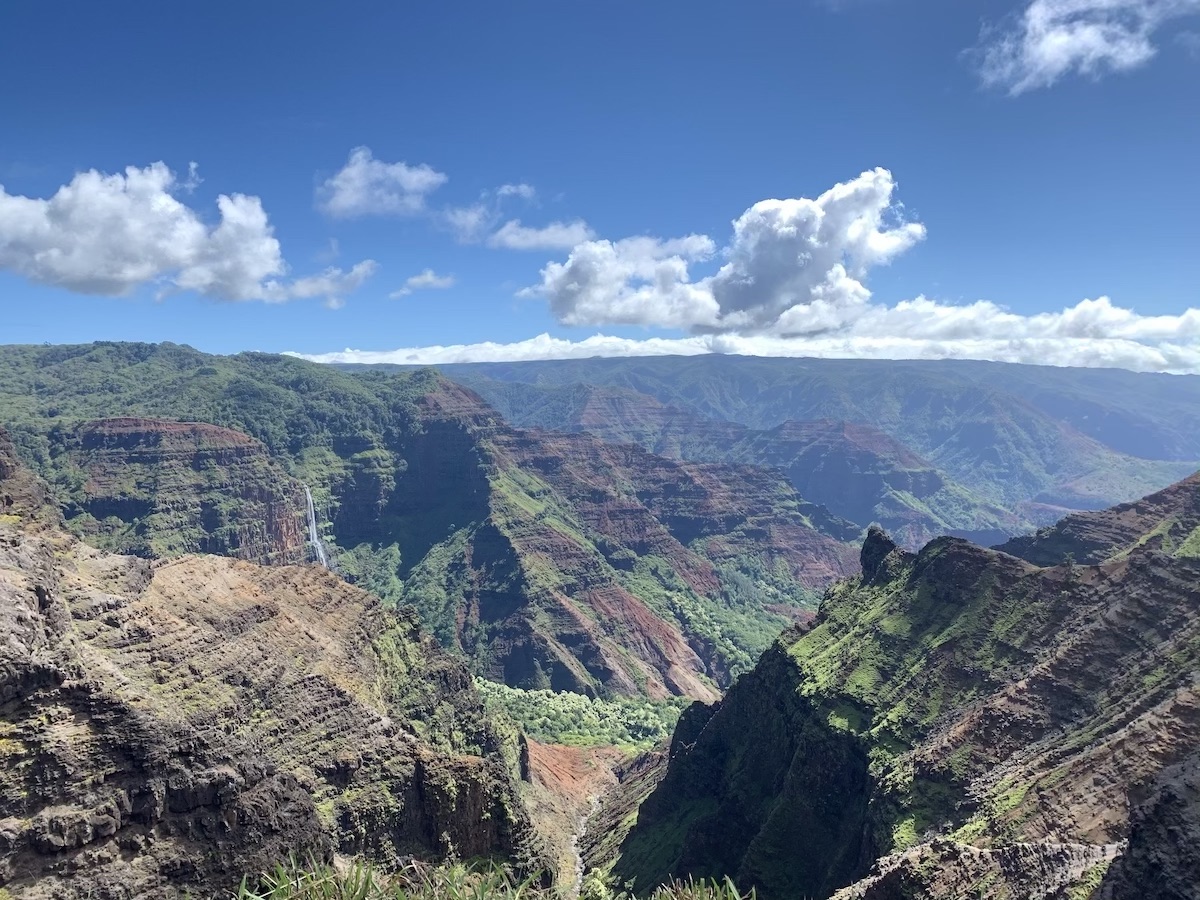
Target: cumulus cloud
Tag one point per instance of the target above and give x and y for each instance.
(424, 281)
(366, 186)
(1053, 38)
(512, 235)
(332, 285)
(1093, 333)
(111, 234)
(792, 266)
(635, 281)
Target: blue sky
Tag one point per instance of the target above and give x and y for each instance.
(999, 163)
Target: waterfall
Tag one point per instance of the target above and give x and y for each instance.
(314, 536)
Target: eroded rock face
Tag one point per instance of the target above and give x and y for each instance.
(590, 567)
(168, 727)
(551, 561)
(858, 472)
(957, 695)
(942, 868)
(1163, 857)
(23, 497)
(159, 488)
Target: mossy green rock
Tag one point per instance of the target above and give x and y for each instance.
(959, 692)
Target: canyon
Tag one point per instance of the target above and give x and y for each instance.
(874, 716)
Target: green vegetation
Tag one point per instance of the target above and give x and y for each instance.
(453, 881)
(424, 502)
(1086, 887)
(565, 718)
(288, 404)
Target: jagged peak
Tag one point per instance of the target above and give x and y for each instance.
(876, 548)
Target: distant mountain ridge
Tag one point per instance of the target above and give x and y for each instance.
(1038, 441)
(858, 472)
(1168, 520)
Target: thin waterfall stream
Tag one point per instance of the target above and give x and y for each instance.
(314, 535)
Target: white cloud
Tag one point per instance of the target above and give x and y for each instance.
(635, 281)
(111, 234)
(793, 266)
(333, 285)
(331, 252)
(512, 235)
(470, 223)
(1053, 38)
(1093, 333)
(524, 191)
(541, 347)
(425, 280)
(481, 222)
(367, 186)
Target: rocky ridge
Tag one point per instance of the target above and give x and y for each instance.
(591, 567)
(167, 727)
(1039, 441)
(1167, 520)
(944, 711)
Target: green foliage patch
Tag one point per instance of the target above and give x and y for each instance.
(576, 720)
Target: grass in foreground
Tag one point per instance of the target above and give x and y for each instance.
(314, 881)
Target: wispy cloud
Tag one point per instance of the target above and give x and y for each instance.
(524, 191)
(485, 222)
(1190, 42)
(428, 280)
(512, 235)
(1054, 38)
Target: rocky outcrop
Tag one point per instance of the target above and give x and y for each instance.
(160, 488)
(978, 721)
(167, 727)
(23, 496)
(1168, 520)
